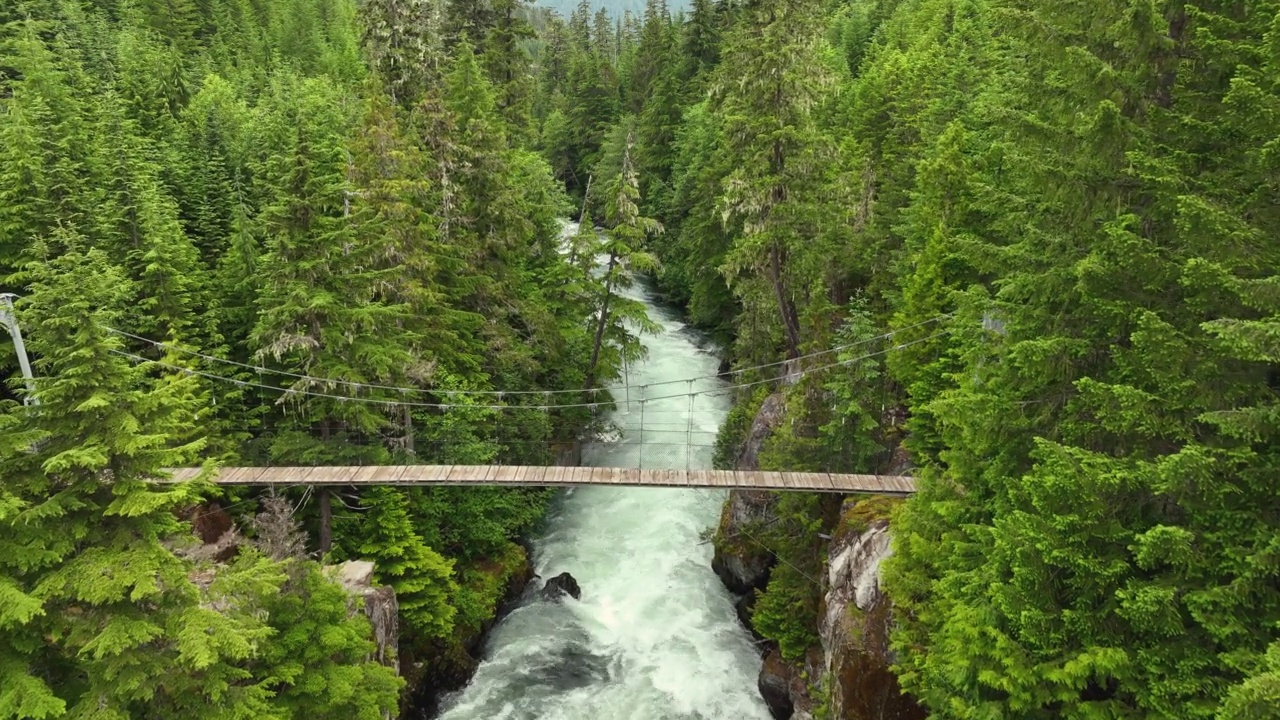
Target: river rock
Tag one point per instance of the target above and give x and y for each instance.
(561, 585)
(775, 685)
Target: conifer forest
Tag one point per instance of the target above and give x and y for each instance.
(1026, 252)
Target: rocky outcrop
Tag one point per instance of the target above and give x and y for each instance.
(561, 585)
(380, 606)
(767, 419)
(741, 562)
(849, 672)
(855, 628)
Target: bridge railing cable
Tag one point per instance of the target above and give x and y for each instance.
(726, 391)
(331, 382)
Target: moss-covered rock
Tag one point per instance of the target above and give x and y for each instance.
(741, 562)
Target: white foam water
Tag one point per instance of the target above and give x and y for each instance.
(654, 636)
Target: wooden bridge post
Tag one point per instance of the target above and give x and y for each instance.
(326, 521)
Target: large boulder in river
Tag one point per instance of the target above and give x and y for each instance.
(561, 585)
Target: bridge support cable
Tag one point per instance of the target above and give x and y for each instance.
(369, 386)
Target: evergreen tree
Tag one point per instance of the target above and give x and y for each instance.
(106, 616)
(1089, 543)
(700, 47)
(771, 77)
(402, 39)
(44, 148)
(508, 65)
(421, 577)
(624, 248)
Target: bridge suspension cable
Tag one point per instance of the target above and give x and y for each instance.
(502, 393)
(389, 402)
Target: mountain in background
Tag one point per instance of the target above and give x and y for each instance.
(615, 7)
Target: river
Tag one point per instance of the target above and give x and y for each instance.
(654, 636)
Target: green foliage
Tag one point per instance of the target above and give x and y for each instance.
(422, 579)
(787, 611)
(736, 428)
(318, 658)
(323, 187)
(105, 613)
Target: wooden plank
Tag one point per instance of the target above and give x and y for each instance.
(888, 484)
(881, 483)
(236, 475)
(321, 476)
(904, 484)
(273, 476)
(857, 483)
(844, 483)
(392, 474)
(557, 475)
(183, 474)
(430, 474)
(805, 481)
(362, 475)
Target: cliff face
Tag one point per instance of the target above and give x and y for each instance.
(741, 563)
(858, 684)
(847, 676)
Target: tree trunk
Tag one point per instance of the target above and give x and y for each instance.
(408, 430)
(602, 322)
(326, 507)
(790, 319)
(326, 521)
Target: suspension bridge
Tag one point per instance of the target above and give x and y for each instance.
(665, 412)
(552, 476)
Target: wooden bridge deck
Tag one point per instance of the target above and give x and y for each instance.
(516, 476)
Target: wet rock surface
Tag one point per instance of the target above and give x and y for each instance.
(775, 686)
(560, 586)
